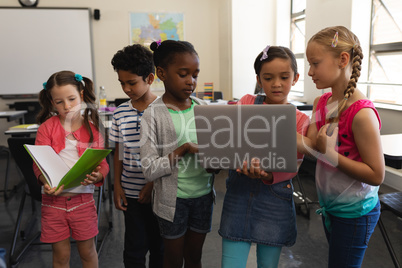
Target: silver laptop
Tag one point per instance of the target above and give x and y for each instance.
(228, 135)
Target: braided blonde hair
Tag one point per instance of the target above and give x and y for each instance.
(346, 41)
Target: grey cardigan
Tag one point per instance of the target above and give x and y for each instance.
(158, 139)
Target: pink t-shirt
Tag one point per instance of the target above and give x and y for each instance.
(302, 122)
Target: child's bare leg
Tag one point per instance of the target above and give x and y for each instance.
(88, 254)
(193, 249)
(61, 253)
(173, 255)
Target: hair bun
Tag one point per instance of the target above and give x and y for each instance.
(153, 46)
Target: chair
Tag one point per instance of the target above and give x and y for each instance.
(307, 169)
(33, 108)
(32, 189)
(119, 101)
(99, 242)
(390, 202)
(4, 149)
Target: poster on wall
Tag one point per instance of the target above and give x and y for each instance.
(148, 27)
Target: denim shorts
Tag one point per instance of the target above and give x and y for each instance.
(191, 213)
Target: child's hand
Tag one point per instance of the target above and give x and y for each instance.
(326, 143)
(52, 191)
(145, 194)
(255, 171)
(93, 178)
(120, 201)
(192, 148)
(49, 190)
(186, 148)
(326, 138)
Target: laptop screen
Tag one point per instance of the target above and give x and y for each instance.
(228, 135)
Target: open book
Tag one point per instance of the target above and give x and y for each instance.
(57, 172)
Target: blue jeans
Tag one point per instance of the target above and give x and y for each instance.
(3, 258)
(141, 235)
(349, 238)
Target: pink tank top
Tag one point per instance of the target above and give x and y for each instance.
(346, 141)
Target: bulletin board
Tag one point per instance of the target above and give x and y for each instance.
(37, 42)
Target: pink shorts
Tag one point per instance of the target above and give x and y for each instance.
(62, 216)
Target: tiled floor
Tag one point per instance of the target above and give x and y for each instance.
(309, 251)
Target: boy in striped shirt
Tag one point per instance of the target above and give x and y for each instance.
(136, 72)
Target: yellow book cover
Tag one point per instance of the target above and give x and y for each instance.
(25, 126)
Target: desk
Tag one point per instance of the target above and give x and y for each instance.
(20, 132)
(26, 132)
(105, 115)
(13, 115)
(216, 102)
(392, 149)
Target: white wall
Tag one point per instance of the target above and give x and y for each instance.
(225, 48)
(255, 24)
(321, 14)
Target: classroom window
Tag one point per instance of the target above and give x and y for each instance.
(385, 79)
(297, 41)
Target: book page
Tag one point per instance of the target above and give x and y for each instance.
(47, 160)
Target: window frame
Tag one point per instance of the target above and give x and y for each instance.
(294, 18)
(380, 49)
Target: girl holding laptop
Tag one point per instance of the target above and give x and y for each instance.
(262, 210)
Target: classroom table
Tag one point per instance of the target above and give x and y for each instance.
(20, 132)
(392, 149)
(105, 115)
(13, 115)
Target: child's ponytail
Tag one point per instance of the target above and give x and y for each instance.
(47, 108)
(91, 111)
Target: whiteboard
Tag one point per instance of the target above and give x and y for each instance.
(37, 42)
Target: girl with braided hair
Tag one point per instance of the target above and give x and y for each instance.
(345, 135)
